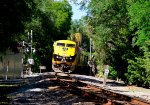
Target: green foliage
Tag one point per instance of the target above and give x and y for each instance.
(50, 20)
(137, 74)
(134, 72)
(80, 26)
(121, 34)
(61, 16)
(109, 19)
(138, 69)
(112, 73)
(13, 15)
(139, 19)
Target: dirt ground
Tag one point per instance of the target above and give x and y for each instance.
(118, 87)
(43, 91)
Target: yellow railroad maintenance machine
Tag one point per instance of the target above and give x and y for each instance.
(68, 56)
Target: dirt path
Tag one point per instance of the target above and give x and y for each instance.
(43, 92)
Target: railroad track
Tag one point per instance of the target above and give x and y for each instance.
(93, 93)
(66, 84)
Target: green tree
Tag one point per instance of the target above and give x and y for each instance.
(138, 70)
(121, 34)
(13, 16)
(110, 35)
(50, 22)
(80, 26)
(61, 13)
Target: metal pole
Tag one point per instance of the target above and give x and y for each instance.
(90, 31)
(7, 67)
(90, 55)
(28, 36)
(90, 48)
(6, 72)
(31, 44)
(30, 69)
(106, 71)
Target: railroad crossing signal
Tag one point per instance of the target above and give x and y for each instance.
(31, 61)
(106, 71)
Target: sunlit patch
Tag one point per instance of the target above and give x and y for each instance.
(54, 87)
(84, 103)
(36, 90)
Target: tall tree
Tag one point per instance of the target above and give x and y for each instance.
(51, 22)
(138, 70)
(121, 37)
(61, 13)
(13, 15)
(110, 20)
(80, 26)
(49, 19)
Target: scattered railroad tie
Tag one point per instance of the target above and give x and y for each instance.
(89, 94)
(96, 94)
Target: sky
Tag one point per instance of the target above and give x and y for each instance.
(77, 13)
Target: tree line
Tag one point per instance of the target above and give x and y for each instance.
(121, 37)
(119, 29)
(50, 20)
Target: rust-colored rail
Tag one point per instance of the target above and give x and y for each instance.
(96, 94)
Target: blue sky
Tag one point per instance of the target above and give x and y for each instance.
(77, 13)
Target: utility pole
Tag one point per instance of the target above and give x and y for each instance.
(31, 44)
(29, 50)
(90, 32)
(90, 48)
(30, 60)
(106, 71)
(90, 61)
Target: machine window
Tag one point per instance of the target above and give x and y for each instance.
(70, 45)
(61, 44)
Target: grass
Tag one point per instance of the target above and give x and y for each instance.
(5, 89)
(8, 85)
(8, 88)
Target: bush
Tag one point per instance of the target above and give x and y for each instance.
(112, 73)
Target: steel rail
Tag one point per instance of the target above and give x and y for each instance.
(96, 94)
